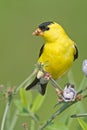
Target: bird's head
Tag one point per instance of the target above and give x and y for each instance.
(50, 31)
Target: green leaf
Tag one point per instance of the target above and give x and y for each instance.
(37, 102)
(18, 104)
(82, 124)
(26, 98)
(20, 107)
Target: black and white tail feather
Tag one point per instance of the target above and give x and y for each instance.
(39, 83)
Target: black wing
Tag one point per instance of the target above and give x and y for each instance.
(76, 52)
(37, 82)
(41, 50)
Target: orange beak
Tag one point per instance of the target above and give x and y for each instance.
(38, 32)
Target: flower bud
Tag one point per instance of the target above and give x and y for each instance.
(69, 93)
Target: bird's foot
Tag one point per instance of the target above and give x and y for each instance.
(47, 76)
(44, 75)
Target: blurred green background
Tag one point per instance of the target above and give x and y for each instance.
(19, 49)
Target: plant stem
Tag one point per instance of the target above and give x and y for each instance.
(54, 84)
(79, 115)
(32, 125)
(14, 120)
(26, 80)
(58, 112)
(63, 108)
(10, 99)
(5, 115)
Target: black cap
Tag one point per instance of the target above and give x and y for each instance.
(44, 26)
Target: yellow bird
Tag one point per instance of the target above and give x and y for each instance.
(57, 54)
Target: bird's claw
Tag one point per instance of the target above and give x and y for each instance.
(47, 76)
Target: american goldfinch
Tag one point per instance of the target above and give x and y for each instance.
(57, 54)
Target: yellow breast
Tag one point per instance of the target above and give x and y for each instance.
(57, 58)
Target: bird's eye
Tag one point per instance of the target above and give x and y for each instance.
(47, 28)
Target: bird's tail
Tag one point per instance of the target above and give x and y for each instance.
(38, 84)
